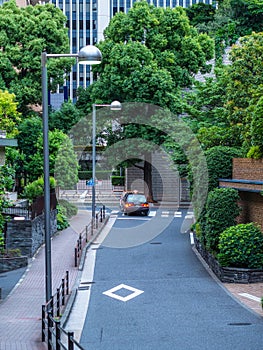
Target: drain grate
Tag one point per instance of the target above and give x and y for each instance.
(239, 324)
(83, 287)
(156, 243)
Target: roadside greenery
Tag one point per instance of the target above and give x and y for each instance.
(36, 188)
(220, 213)
(241, 246)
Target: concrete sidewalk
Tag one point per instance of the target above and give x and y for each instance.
(20, 321)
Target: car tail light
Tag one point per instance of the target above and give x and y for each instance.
(145, 205)
(127, 205)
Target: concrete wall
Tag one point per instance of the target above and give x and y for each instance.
(165, 180)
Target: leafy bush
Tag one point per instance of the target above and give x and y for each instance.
(241, 246)
(69, 209)
(255, 152)
(221, 212)
(62, 221)
(36, 188)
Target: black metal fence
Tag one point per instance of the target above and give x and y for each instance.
(53, 333)
(87, 234)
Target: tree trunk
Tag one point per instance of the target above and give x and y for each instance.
(147, 174)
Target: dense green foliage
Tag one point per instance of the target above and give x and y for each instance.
(6, 183)
(62, 221)
(36, 188)
(221, 212)
(64, 118)
(118, 180)
(70, 208)
(219, 163)
(241, 246)
(66, 165)
(25, 33)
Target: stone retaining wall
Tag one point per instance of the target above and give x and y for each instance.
(28, 235)
(8, 264)
(229, 274)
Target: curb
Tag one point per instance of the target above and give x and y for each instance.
(74, 291)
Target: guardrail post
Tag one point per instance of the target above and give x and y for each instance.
(58, 334)
(86, 232)
(58, 302)
(70, 341)
(92, 226)
(67, 282)
(101, 215)
(52, 306)
(49, 330)
(76, 257)
(43, 324)
(97, 221)
(63, 291)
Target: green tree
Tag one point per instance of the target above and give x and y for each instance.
(24, 33)
(148, 55)
(64, 118)
(245, 82)
(200, 13)
(60, 155)
(66, 165)
(219, 163)
(9, 116)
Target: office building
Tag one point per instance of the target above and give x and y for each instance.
(87, 20)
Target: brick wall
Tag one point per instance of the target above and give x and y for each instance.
(247, 169)
(251, 201)
(252, 208)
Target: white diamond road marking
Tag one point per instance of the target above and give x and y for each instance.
(134, 294)
(250, 296)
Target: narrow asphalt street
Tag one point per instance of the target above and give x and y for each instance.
(158, 295)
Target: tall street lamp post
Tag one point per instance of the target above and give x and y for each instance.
(114, 106)
(87, 55)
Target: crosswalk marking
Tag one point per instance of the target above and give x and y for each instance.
(155, 213)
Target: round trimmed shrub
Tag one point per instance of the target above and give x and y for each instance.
(241, 246)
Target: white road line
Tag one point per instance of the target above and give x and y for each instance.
(250, 296)
(192, 238)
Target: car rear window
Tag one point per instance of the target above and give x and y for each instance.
(138, 198)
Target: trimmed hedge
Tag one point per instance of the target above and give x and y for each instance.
(221, 212)
(241, 246)
(118, 180)
(100, 174)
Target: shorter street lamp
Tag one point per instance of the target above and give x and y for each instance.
(87, 55)
(114, 106)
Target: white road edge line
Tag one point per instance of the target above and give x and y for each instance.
(250, 296)
(192, 238)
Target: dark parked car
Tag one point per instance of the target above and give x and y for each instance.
(134, 203)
